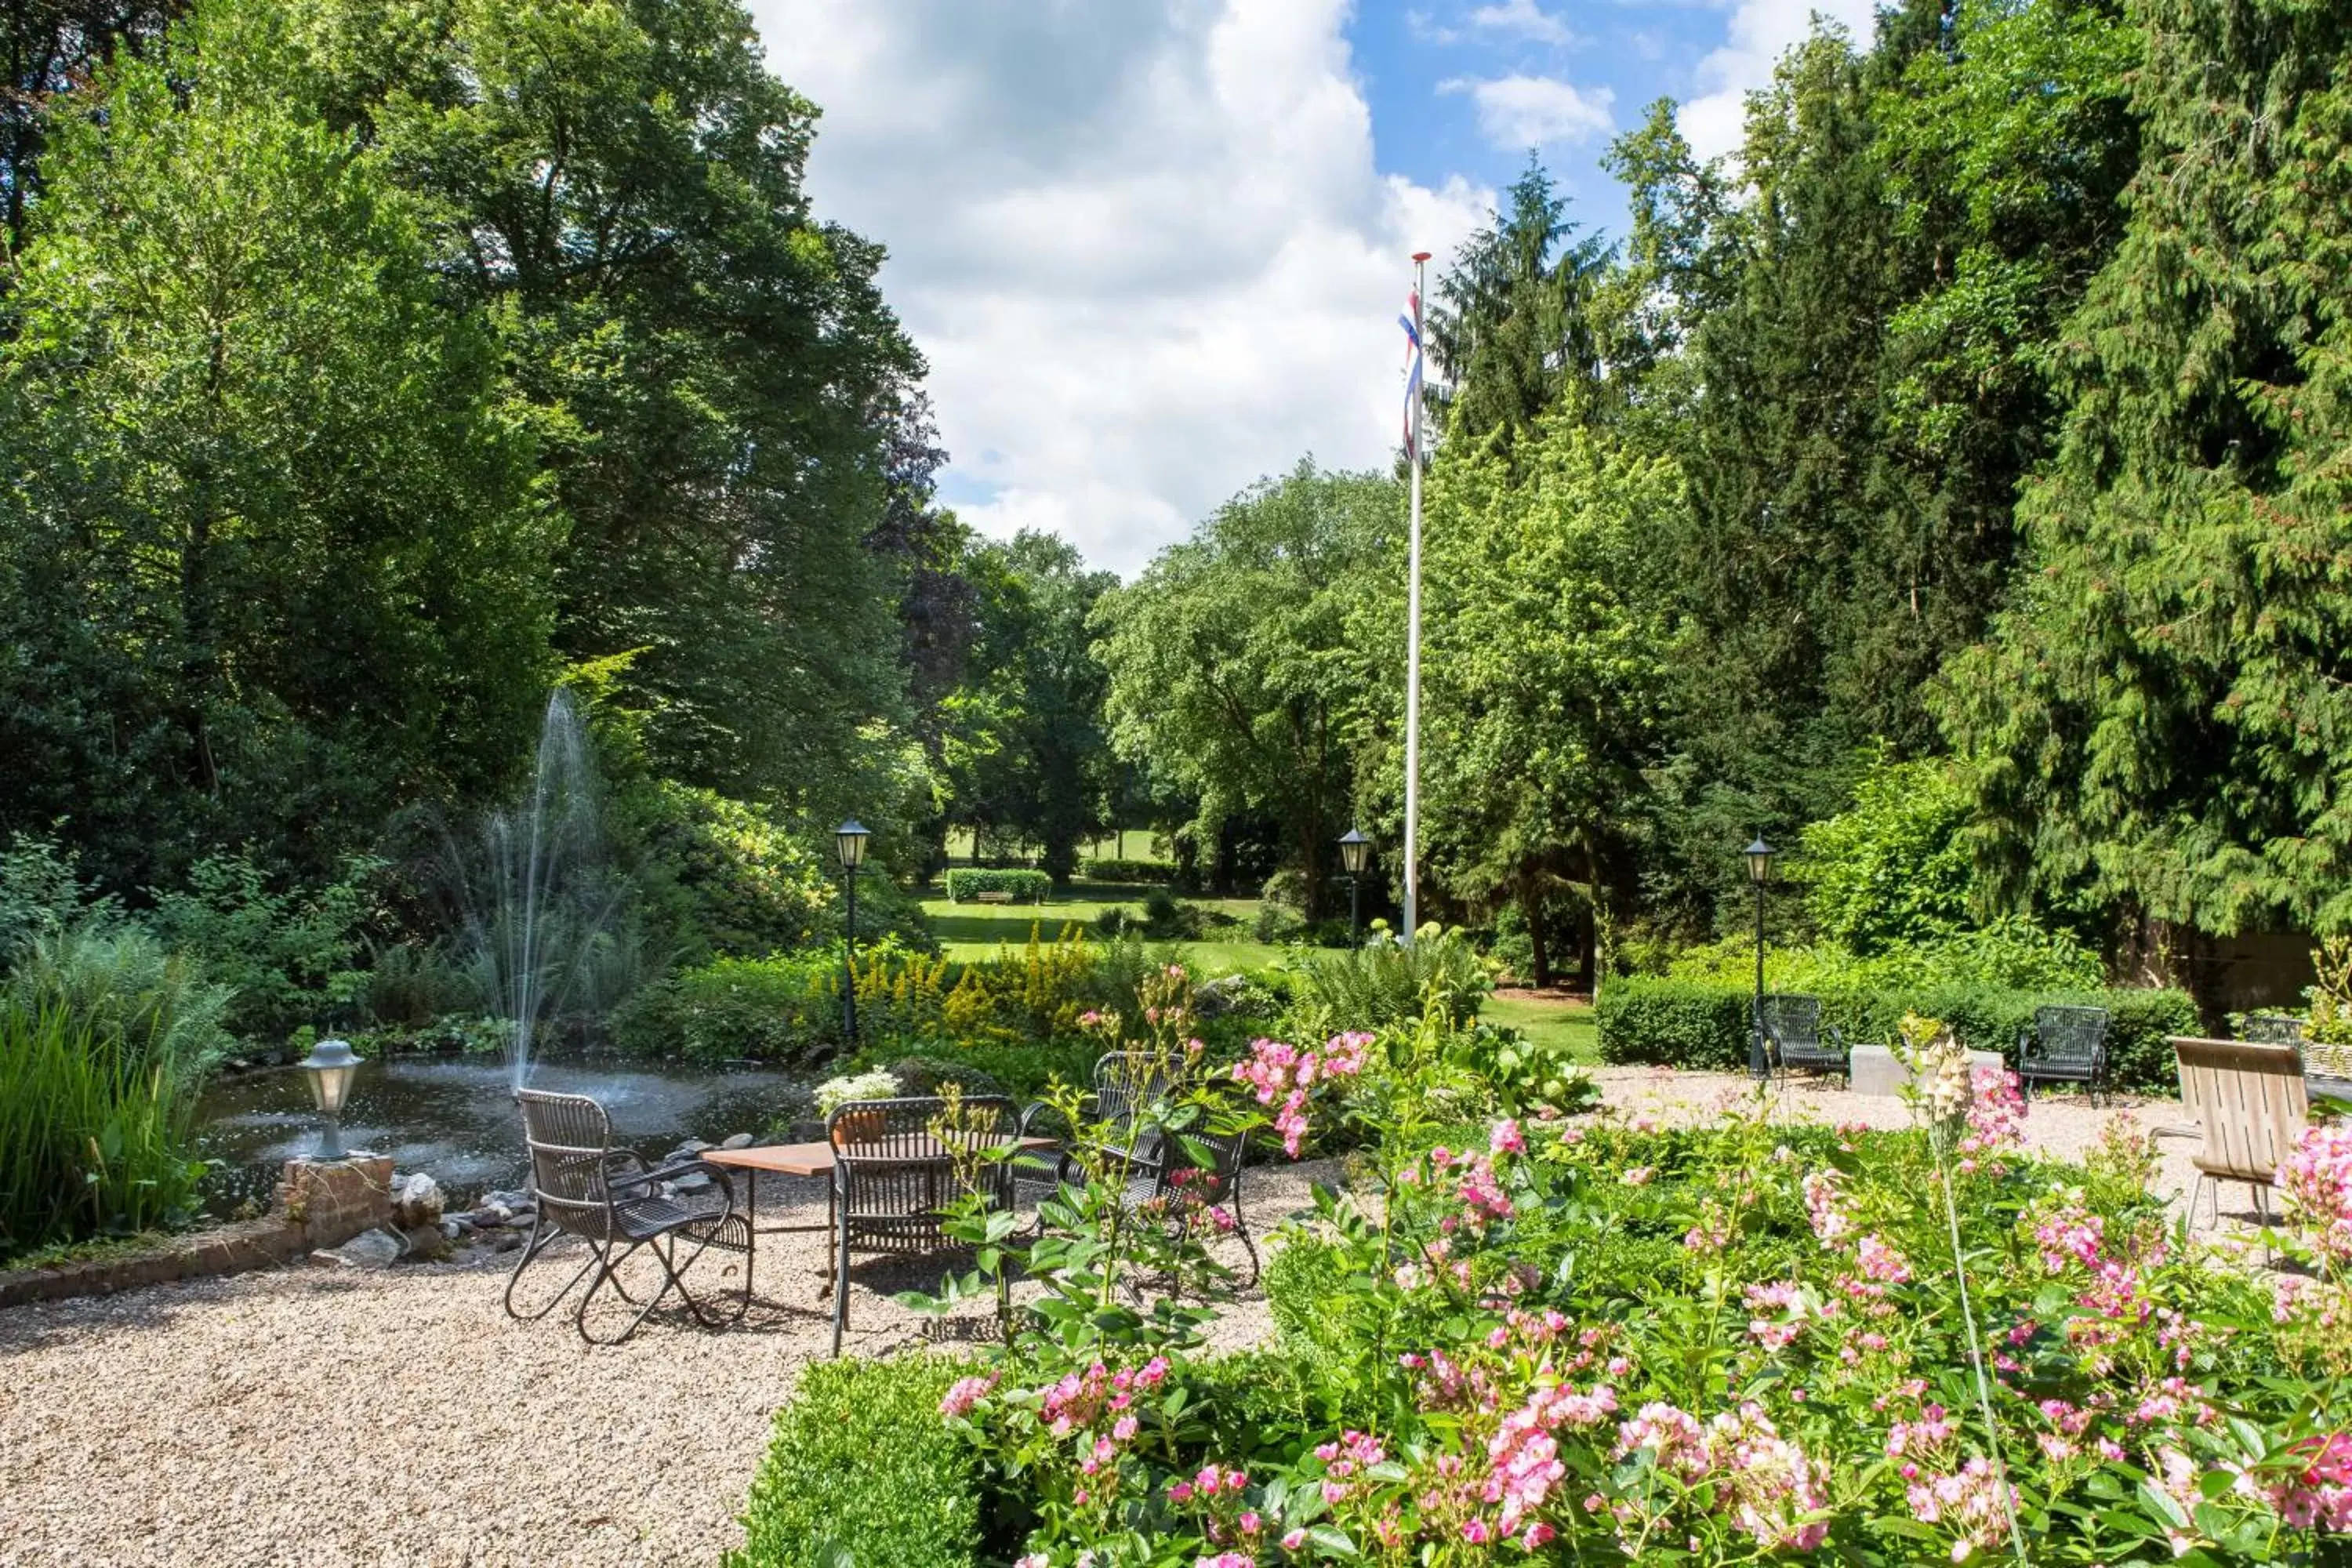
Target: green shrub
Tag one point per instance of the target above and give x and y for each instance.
(966, 883)
(2012, 953)
(1891, 868)
(410, 985)
(1697, 1024)
(863, 1471)
(784, 1009)
(105, 1039)
(1385, 983)
(1166, 918)
(1277, 923)
(289, 958)
(41, 893)
(1130, 872)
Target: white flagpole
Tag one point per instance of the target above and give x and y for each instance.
(1413, 643)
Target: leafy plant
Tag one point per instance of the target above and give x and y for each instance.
(290, 958)
(967, 883)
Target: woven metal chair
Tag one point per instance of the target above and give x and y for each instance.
(1794, 1037)
(894, 1180)
(612, 1200)
(1202, 1172)
(2065, 1044)
(2273, 1028)
(1128, 1084)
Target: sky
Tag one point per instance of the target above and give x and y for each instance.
(1154, 250)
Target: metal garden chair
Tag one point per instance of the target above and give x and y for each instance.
(2065, 1044)
(1200, 1174)
(1794, 1033)
(610, 1199)
(894, 1179)
(1128, 1084)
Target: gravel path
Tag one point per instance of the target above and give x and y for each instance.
(313, 1417)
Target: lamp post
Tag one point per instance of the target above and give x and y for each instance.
(1759, 871)
(849, 844)
(331, 1065)
(1355, 853)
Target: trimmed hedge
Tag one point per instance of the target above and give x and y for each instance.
(1694, 1024)
(1027, 886)
(1131, 872)
(862, 1469)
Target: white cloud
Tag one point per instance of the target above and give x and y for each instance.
(1523, 18)
(1757, 34)
(1520, 111)
(1143, 245)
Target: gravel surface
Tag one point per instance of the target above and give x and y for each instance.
(313, 1417)
(316, 1416)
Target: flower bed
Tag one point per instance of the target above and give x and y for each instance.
(1571, 1342)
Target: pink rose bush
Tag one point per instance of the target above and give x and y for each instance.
(1283, 1078)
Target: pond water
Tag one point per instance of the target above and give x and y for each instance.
(455, 1118)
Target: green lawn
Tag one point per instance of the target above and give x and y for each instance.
(1567, 1025)
(977, 931)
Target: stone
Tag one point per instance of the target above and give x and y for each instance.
(456, 1230)
(740, 1140)
(692, 1181)
(417, 1202)
(506, 1241)
(1876, 1070)
(377, 1248)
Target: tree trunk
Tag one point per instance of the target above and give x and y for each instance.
(1531, 907)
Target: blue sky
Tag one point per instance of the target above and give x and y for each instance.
(1153, 250)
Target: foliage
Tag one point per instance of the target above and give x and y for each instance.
(785, 1008)
(1127, 873)
(1238, 662)
(835, 1092)
(1705, 1024)
(1034, 994)
(41, 893)
(271, 552)
(861, 1473)
(289, 959)
(1386, 982)
(2150, 718)
(970, 882)
(2011, 952)
(105, 1040)
(1891, 868)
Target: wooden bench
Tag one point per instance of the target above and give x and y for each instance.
(993, 896)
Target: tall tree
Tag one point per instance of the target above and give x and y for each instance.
(621, 185)
(1546, 667)
(2163, 716)
(1235, 670)
(272, 560)
(50, 48)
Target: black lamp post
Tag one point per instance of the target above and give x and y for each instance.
(1355, 854)
(849, 844)
(1759, 871)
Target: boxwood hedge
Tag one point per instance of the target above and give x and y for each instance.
(1698, 1024)
(861, 1469)
(1028, 886)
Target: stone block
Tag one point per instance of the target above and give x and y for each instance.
(1876, 1070)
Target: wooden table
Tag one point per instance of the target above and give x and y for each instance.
(808, 1160)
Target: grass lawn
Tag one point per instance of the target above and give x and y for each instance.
(1565, 1025)
(976, 930)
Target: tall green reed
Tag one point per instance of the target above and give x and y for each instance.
(105, 1040)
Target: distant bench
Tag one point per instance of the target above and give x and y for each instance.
(993, 896)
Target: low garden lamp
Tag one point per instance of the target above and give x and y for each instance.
(849, 845)
(1355, 854)
(1760, 856)
(331, 1065)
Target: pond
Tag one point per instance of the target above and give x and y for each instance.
(454, 1117)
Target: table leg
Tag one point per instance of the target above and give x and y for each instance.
(752, 1225)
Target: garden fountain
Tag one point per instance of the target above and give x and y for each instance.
(545, 912)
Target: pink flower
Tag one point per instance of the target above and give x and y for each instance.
(2316, 1187)
(1506, 1138)
(967, 1393)
(1292, 1539)
(1639, 1176)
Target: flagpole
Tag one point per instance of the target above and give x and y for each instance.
(1412, 649)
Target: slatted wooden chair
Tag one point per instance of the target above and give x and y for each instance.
(2065, 1044)
(2251, 1102)
(1794, 1038)
(894, 1180)
(610, 1199)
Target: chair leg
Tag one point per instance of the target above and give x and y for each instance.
(1241, 1228)
(542, 1236)
(609, 1274)
(703, 1243)
(840, 1283)
(2197, 1192)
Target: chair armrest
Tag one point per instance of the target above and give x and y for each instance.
(1835, 1037)
(688, 1168)
(2025, 1043)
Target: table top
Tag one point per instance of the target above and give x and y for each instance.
(814, 1159)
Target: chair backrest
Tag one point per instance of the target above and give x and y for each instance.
(2070, 1034)
(1212, 1183)
(888, 1164)
(2273, 1028)
(570, 1139)
(2249, 1100)
(1129, 1081)
(1792, 1020)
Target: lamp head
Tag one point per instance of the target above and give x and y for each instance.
(1760, 860)
(1355, 852)
(849, 844)
(331, 1065)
